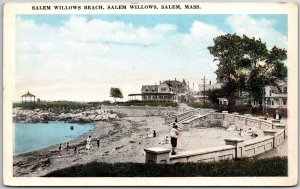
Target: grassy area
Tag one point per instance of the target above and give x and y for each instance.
(148, 103)
(276, 166)
(76, 105)
(54, 104)
(199, 104)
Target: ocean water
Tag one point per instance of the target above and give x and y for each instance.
(35, 136)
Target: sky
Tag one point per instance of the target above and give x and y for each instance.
(80, 57)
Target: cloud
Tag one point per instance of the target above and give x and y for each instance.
(258, 28)
(81, 29)
(82, 58)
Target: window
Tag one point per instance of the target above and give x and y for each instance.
(272, 103)
(284, 102)
(163, 89)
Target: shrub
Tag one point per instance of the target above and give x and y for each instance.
(54, 104)
(148, 103)
(276, 166)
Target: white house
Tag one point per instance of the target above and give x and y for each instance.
(276, 96)
(171, 90)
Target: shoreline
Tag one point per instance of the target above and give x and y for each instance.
(50, 152)
(55, 145)
(121, 140)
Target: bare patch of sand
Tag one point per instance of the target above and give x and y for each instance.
(120, 141)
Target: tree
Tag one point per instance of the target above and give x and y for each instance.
(116, 93)
(214, 94)
(246, 64)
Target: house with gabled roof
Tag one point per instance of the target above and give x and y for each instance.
(276, 96)
(169, 90)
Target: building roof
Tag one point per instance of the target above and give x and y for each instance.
(172, 94)
(28, 94)
(173, 82)
(141, 94)
(275, 89)
(150, 87)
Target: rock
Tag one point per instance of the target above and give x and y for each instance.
(85, 120)
(119, 147)
(98, 118)
(92, 117)
(112, 116)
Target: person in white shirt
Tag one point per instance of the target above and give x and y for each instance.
(174, 134)
(88, 143)
(277, 115)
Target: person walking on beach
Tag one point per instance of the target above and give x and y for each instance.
(88, 143)
(277, 115)
(76, 149)
(174, 134)
(98, 142)
(59, 148)
(68, 146)
(154, 133)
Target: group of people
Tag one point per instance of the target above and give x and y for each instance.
(277, 115)
(173, 134)
(174, 131)
(76, 148)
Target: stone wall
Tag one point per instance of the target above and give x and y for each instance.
(136, 111)
(274, 134)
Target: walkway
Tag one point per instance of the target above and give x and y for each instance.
(281, 150)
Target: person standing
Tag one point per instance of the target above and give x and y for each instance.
(59, 148)
(98, 142)
(277, 115)
(88, 143)
(76, 149)
(154, 133)
(174, 134)
(68, 146)
(266, 116)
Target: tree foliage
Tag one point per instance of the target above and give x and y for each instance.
(214, 94)
(247, 64)
(116, 93)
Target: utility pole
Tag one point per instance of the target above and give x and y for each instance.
(204, 94)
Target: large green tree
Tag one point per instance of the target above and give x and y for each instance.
(116, 93)
(214, 94)
(247, 64)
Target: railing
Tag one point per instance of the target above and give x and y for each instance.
(179, 117)
(274, 135)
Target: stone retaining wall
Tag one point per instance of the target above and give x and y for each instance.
(274, 134)
(136, 111)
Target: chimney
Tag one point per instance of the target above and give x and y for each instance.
(210, 82)
(175, 78)
(159, 82)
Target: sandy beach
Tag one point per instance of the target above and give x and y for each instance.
(120, 141)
